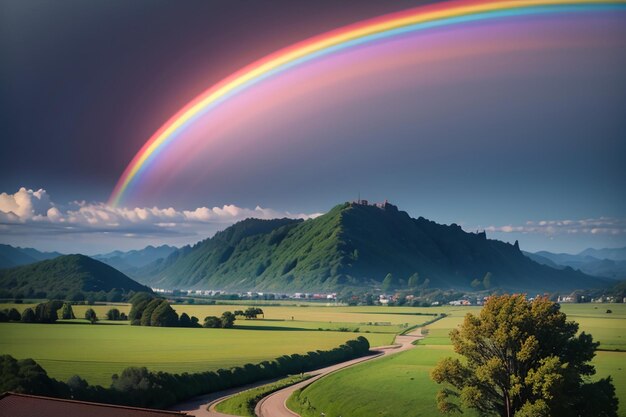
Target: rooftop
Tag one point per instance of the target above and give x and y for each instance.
(24, 405)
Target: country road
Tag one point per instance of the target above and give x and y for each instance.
(274, 404)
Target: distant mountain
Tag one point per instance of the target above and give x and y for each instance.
(129, 262)
(354, 246)
(614, 254)
(11, 256)
(65, 275)
(610, 267)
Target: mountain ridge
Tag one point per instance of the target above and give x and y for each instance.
(354, 245)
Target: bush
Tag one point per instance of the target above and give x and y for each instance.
(142, 388)
(28, 316)
(164, 316)
(212, 322)
(113, 314)
(90, 315)
(68, 312)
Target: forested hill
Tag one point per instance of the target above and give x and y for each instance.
(355, 245)
(66, 275)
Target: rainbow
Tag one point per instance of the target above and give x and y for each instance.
(420, 18)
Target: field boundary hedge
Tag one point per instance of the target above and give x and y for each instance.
(139, 387)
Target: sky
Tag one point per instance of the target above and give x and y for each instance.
(514, 126)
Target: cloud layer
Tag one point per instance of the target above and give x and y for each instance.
(28, 211)
(598, 226)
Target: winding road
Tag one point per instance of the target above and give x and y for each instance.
(274, 405)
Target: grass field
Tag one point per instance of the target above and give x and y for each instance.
(400, 384)
(243, 403)
(95, 352)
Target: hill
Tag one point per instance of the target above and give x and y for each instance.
(129, 262)
(66, 275)
(355, 246)
(11, 256)
(612, 266)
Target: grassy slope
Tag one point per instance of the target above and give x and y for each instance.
(243, 403)
(385, 387)
(67, 274)
(353, 246)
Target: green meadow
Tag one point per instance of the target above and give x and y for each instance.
(95, 352)
(400, 384)
(397, 385)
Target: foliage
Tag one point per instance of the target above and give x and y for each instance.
(319, 255)
(226, 321)
(164, 316)
(27, 377)
(521, 358)
(212, 322)
(113, 314)
(28, 316)
(10, 314)
(91, 316)
(140, 387)
(68, 312)
(243, 404)
(67, 277)
(250, 313)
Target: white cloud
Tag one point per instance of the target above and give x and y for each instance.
(597, 226)
(28, 211)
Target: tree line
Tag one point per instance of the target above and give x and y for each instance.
(137, 386)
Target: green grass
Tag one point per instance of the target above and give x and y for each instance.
(243, 403)
(400, 384)
(95, 352)
(390, 320)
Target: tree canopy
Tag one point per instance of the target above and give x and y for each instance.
(523, 359)
(90, 315)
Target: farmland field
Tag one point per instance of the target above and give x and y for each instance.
(400, 384)
(95, 352)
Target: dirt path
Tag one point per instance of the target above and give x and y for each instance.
(274, 404)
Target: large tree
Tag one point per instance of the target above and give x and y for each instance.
(521, 358)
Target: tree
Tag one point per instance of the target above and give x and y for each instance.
(113, 314)
(139, 302)
(227, 320)
(184, 320)
(251, 313)
(387, 283)
(47, 312)
(212, 322)
(67, 313)
(28, 316)
(164, 316)
(90, 315)
(414, 280)
(146, 314)
(13, 314)
(522, 359)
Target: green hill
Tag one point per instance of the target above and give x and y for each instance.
(354, 245)
(65, 275)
